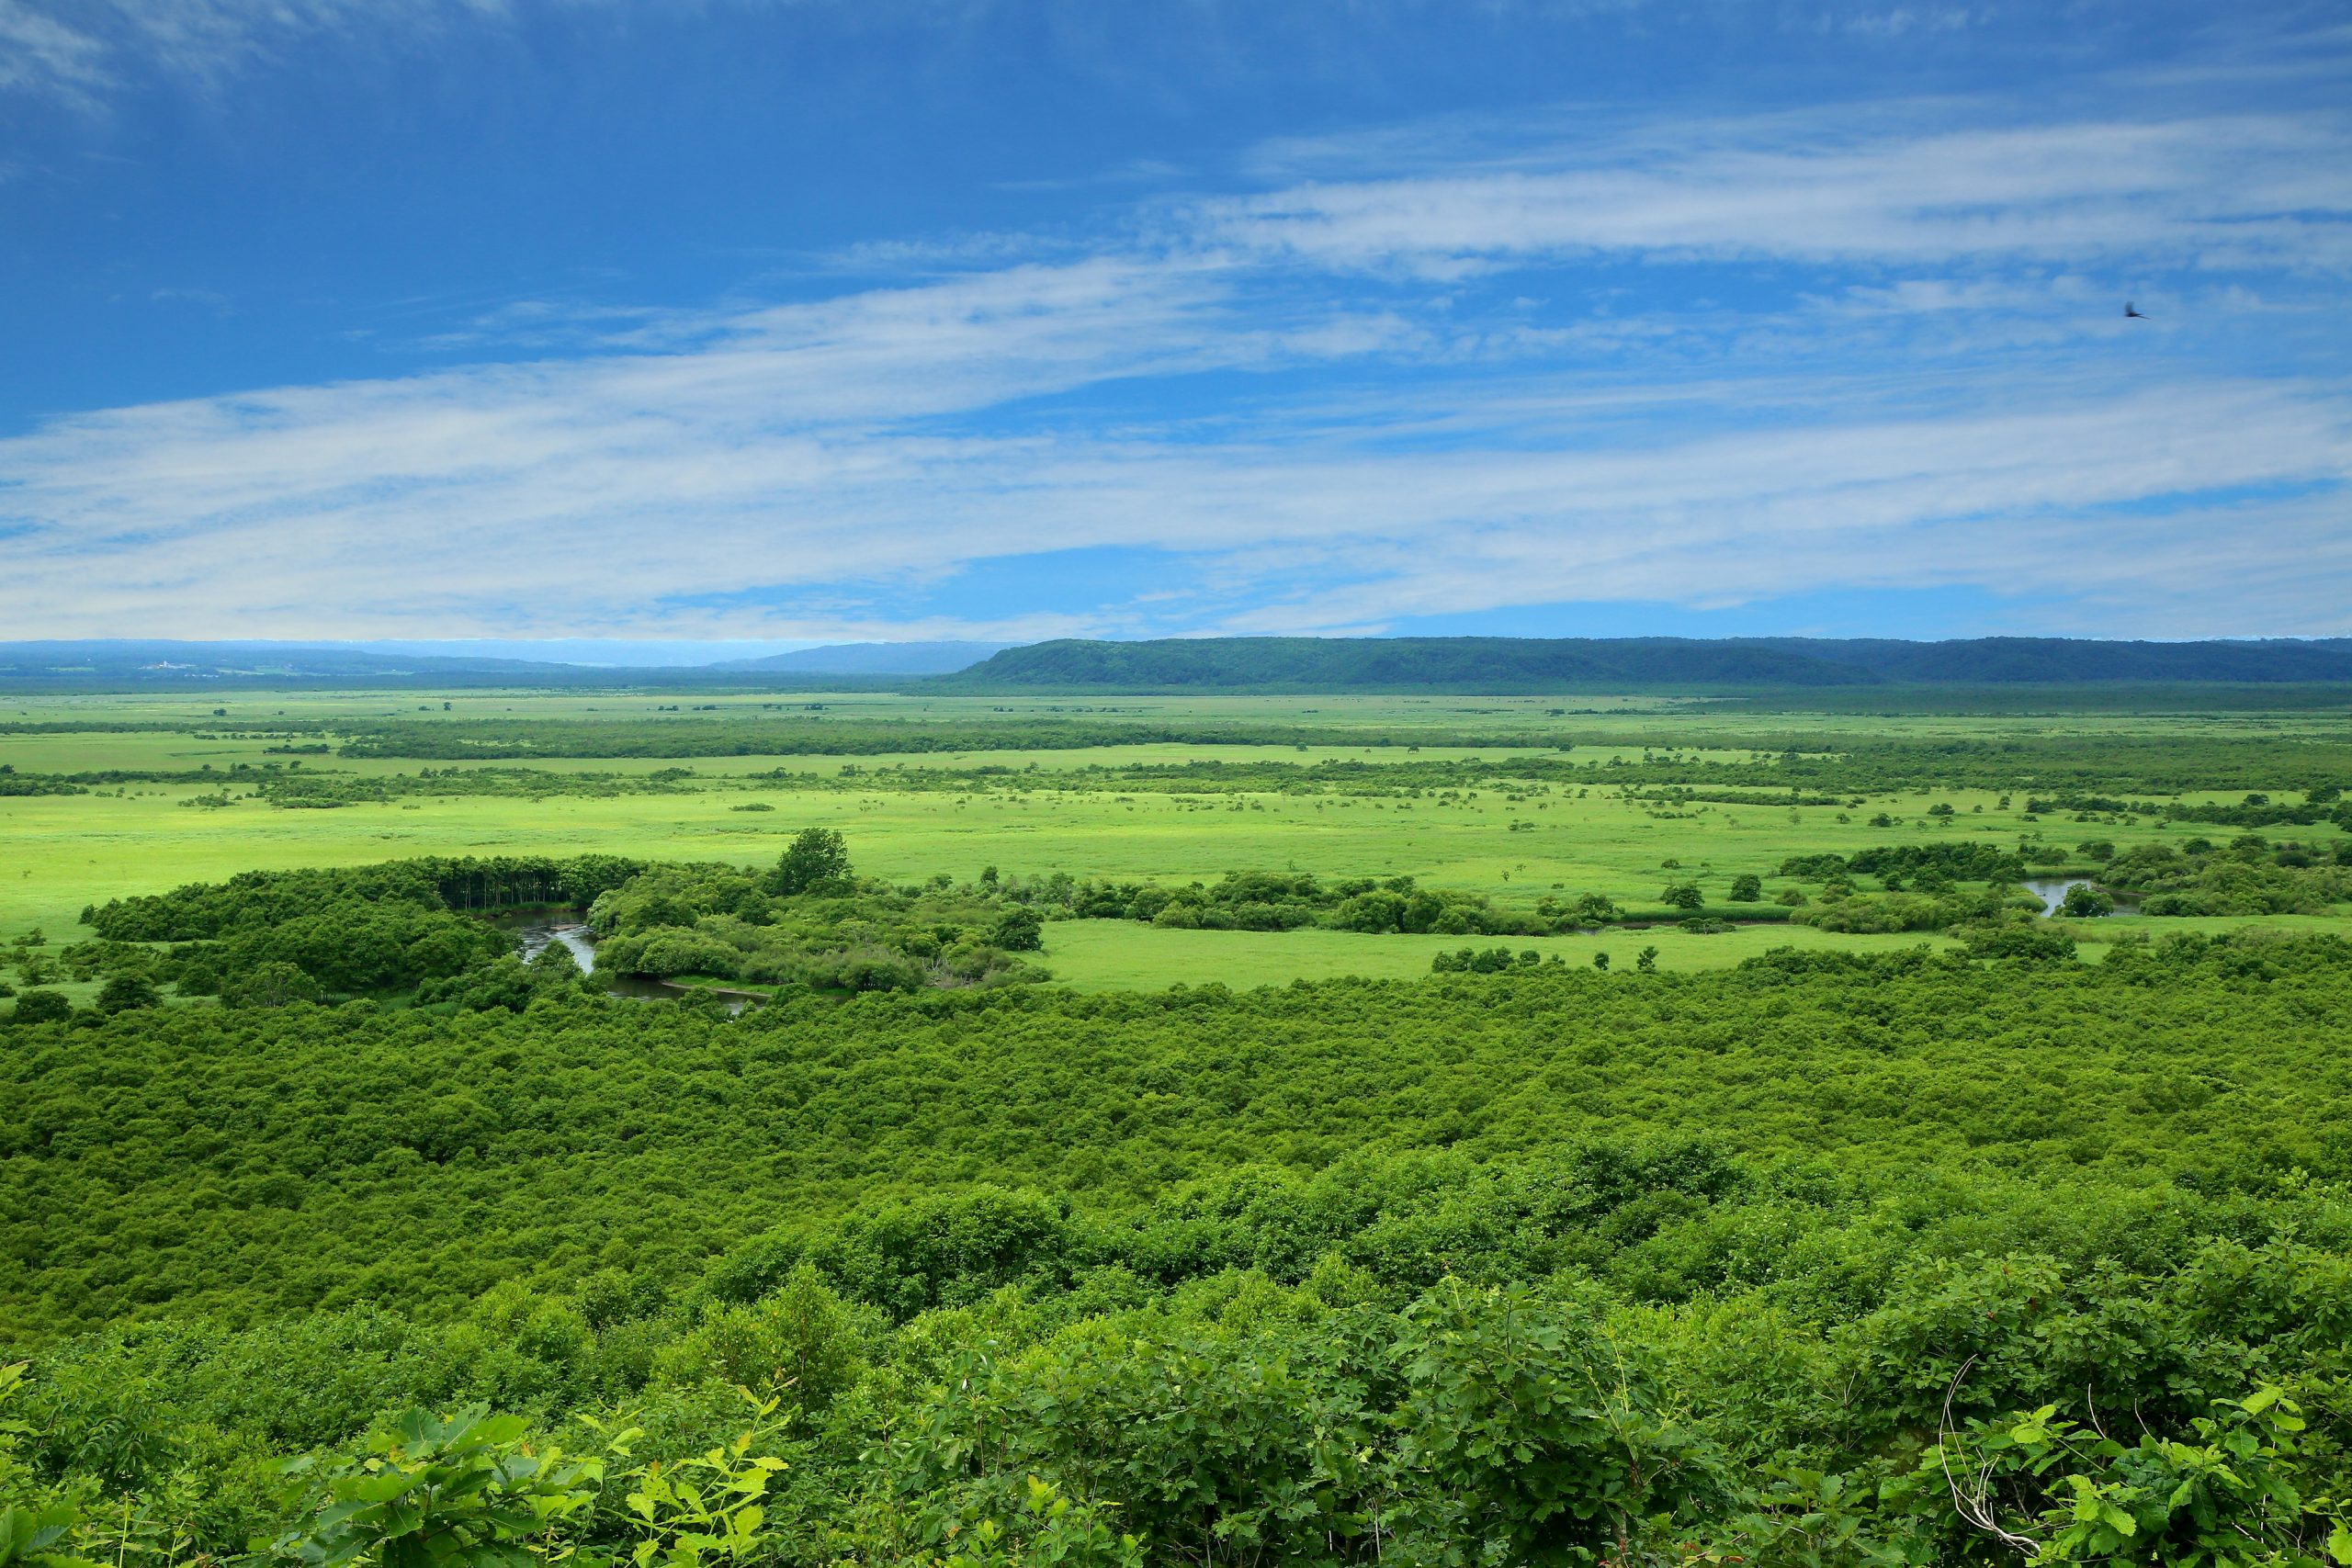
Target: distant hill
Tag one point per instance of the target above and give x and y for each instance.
(1270, 664)
(121, 665)
(136, 663)
(1478, 663)
(872, 659)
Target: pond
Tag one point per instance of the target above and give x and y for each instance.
(536, 929)
(2052, 891)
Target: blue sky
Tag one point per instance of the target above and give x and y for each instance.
(817, 320)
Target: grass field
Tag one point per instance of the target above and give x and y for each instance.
(61, 852)
(1113, 955)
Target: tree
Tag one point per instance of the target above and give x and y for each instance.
(818, 861)
(270, 984)
(42, 1006)
(2084, 901)
(1594, 909)
(123, 992)
(1019, 931)
(555, 964)
(1683, 894)
(1646, 960)
(1747, 888)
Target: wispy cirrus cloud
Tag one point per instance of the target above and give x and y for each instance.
(82, 53)
(2237, 190)
(840, 460)
(40, 54)
(1355, 400)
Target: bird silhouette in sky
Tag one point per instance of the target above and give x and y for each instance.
(2132, 312)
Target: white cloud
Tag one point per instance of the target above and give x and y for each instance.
(39, 53)
(81, 52)
(810, 449)
(1948, 397)
(2248, 189)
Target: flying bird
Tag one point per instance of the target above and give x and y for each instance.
(2132, 312)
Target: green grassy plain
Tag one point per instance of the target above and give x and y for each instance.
(1514, 843)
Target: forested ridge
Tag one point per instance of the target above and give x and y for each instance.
(1267, 663)
(1506, 664)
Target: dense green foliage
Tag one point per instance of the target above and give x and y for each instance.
(271, 937)
(2249, 876)
(1743, 1233)
(809, 922)
(654, 1134)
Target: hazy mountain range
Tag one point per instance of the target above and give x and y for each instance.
(1299, 664)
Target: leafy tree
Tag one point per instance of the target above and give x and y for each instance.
(1684, 895)
(42, 1006)
(1019, 931)
(1595, 909)
(555, 964)
(1746, 888)
(2085, 901)
(272, 983)
(31, 1535)
(121, 993)
(816, 861)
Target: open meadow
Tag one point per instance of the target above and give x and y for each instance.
(181, 804)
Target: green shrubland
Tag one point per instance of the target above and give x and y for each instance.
(1548, 1264)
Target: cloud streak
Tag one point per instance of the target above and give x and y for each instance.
(2267, 191)
(1347, 403)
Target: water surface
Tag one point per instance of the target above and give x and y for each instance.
(2052, 891)
(536, 929)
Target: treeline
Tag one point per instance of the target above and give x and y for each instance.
(252, 898)
(2057, 767)
(270, 938)
(317, 789)
(267, 938)
(1275, 900)
(489, 738)
(2248, 875)
(1291, 900)
(2323, 803)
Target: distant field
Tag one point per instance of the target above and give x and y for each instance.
(1120, 956)
(1040, 816)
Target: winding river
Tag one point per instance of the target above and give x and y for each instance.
(536, 929)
